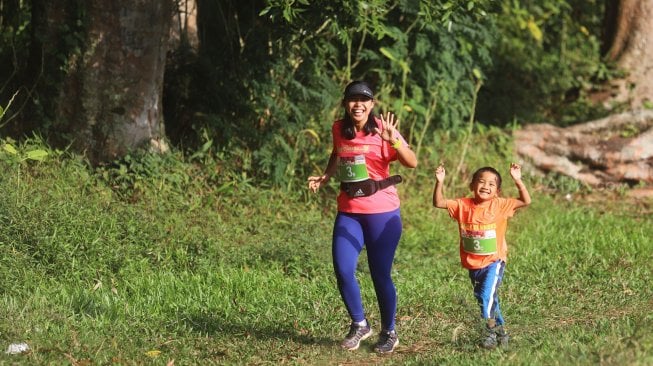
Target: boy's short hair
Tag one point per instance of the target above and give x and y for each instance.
(484, 169)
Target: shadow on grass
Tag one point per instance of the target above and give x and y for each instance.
(212, 325)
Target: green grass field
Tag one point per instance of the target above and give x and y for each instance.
(170, 265)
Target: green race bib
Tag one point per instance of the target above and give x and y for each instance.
(352, 169)
(482, 242)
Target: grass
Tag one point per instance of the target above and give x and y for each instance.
(155, 260)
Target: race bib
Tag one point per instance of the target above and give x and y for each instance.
(352, 169)
(480, 242)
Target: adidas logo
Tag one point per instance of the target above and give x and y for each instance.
(359, 193)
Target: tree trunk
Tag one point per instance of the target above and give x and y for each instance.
(111, 98)
(618, 148)
(184, 25)
(631, 48)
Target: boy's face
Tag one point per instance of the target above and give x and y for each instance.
(485, 187)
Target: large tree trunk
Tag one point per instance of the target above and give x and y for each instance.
(632, 50)
(111, 99)
(618, 148)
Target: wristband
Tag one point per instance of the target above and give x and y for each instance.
(397, 144)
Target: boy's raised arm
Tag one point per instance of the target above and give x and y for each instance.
(524, 196)
(438, 196)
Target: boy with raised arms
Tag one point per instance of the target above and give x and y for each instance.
(482, 223)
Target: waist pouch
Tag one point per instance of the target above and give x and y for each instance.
(368, 187)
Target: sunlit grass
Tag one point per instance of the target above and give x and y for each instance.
(147, 269)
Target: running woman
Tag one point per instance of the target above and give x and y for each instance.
(368, 209)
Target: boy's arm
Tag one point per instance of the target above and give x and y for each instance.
(438, 195)
(524, 197)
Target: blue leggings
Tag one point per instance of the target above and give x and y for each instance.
(486, 282)
(380, 234)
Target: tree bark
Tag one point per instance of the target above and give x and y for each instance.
(631, 49)
(111, 97)
(184, 25)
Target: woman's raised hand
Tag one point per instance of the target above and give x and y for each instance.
(389, 124)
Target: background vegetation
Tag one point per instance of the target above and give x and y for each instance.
(264, 85)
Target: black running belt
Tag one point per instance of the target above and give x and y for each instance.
(368, 187)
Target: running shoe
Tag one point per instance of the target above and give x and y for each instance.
(489, 338)
(356, 334)
(388, 340)
(502, 337)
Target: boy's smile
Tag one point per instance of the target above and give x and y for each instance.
(485, 187)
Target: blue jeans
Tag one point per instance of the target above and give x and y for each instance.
(380, 234)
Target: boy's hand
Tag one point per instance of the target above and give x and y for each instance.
(515, 171)
(440, 173)
(524, 197)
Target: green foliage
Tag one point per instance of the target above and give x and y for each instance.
(39, 43)
(14, 47)
(547, 61)
(266, 83)
(298, 56)
(426, 60)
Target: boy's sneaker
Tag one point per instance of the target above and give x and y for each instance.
(489, 340)
(356, 334)
(502, 337)
(388, 340)
(495, 336)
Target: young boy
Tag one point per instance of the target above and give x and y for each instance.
(482, 222)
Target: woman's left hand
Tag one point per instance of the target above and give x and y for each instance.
(389, 124)
(405, 155)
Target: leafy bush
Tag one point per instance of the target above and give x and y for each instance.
(274, 92)
(297, 58)
(267, 81)
(546, 62)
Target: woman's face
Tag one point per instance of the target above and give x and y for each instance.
(359, 108)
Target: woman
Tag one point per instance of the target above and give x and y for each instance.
(368, 209)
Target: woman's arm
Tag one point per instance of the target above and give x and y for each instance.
(315, 182)
(405, 154)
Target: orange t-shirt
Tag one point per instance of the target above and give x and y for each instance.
(488, 219)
